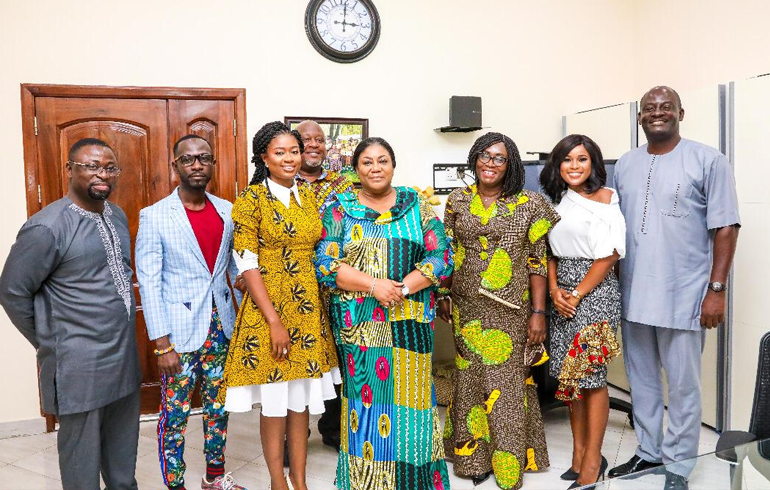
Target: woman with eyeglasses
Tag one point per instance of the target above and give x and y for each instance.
(586, 245)
(383, 255)
(496, 303)
(278, 354)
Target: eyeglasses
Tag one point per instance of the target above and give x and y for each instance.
(498, 161)
(206, 159)
(94, 169)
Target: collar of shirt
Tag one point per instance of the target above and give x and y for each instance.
(324, 174)
(282, 193)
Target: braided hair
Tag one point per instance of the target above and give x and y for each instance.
(513, 180)
(260, 143)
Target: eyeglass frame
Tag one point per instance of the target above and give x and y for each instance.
(491, 159)
(99, 168)
(196, 157)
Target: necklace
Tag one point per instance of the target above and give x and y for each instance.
(489, 198)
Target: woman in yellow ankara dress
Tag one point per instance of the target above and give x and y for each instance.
(281, 352)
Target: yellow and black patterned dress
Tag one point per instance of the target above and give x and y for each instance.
(494, 422)
(282, 241)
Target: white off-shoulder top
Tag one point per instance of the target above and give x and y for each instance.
(588, 229)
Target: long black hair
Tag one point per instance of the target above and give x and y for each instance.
(260, 143)
(513, 180)
(371, 141)
(550, 178)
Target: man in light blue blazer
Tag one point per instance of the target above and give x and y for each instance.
(183, 257)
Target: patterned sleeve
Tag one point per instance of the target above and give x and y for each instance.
(246, 219)
(437, 264)
(543, 217)
(328, 252)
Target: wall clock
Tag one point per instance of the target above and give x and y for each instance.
(344, 31)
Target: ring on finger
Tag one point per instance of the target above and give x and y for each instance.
(285, 351)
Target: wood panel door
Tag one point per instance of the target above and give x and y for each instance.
(142, 131)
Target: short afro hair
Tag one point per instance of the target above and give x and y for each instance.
(82, 143)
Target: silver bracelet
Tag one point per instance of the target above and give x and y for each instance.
(374, 283)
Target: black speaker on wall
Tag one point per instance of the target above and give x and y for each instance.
(465, 111)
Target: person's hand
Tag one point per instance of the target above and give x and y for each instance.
(279, 339)
(536, 329)
(388, 292)
(168, 363)
(444, 309)
(562, 303)
(240, 283)
(712, 311)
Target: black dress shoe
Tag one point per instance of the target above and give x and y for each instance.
(675, 482)
(479, 479)
(570, 475)
(632, 466)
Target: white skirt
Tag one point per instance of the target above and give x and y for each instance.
(276, 398)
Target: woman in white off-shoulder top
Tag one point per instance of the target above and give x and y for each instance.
(585, 245)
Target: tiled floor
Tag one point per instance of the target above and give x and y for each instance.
(30, 462)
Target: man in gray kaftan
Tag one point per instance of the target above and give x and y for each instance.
(67, 287)
(681, 209)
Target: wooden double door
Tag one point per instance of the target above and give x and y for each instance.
(141, 125)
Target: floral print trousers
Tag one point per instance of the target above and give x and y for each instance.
(206, 364)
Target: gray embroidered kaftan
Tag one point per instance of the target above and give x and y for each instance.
(67, 287)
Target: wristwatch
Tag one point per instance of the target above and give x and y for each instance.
(576, 294)
(405, 290)
(717, 287)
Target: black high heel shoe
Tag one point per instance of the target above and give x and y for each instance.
(599, 477)
(479, 479)
(570, 475)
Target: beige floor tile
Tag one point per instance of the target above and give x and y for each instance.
(146, 446)
(17, 448)
(45, 462)
(316, 484)
(21, 479)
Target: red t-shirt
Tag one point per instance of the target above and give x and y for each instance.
(208, 228)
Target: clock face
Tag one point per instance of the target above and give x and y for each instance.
(342, 30)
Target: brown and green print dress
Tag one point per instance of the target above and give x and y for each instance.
(494, 421)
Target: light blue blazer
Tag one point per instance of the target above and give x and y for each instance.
(175, 284)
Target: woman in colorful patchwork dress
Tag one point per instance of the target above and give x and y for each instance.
(586, 244)
(281, 352)
(383, 254)
(497, 232)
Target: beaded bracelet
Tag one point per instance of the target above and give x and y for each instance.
(444, 291)
(535, 311)
(165, 351)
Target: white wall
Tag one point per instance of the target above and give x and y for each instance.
(692, 44)
(518, 56)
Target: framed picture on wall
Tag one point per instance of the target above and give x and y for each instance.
(342, 136)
